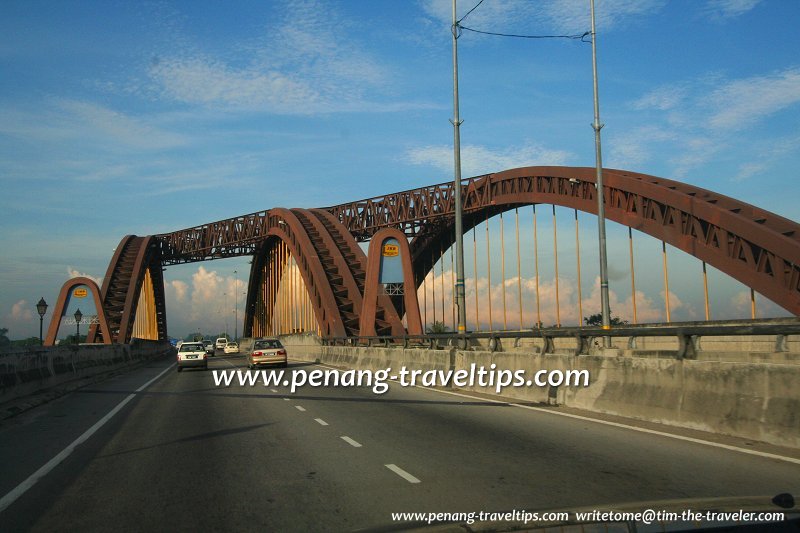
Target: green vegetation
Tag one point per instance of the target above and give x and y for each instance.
(437, 327)
(597, 320)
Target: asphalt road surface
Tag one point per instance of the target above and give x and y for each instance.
(184, 454)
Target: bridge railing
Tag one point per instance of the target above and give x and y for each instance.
(686, 333)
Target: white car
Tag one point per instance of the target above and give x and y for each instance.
(231, 347)
(192, 355)
(221, 343)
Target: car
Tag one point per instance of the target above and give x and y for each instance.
(192, 355)
(209, 345)
(231, 347)
(267, 352)
(220, 343)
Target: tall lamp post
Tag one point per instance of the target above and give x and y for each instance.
(78, 317)
(601, 212)
(41, 308)
(459, 237)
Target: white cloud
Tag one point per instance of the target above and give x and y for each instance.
(726, 9)
(309, 62)
(662, 98)
(74, 273)
(574, 16)
(62, 120)
(698, 119)
(743, 102)
(21, 311)
(181, 289)
(480, 159)
(567, 16)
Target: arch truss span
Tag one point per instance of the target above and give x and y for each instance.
(758, 248)
(333, 269)
(133, 293)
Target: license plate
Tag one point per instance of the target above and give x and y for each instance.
(191, 357)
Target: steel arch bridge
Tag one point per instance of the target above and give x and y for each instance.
(754, 246)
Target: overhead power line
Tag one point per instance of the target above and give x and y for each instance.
(581, 37)
(468, 12)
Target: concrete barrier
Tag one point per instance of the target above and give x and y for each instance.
(753, 399)
(26, 371)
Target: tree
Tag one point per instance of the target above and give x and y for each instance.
(4, 340)
(597, 320)
(437, 327)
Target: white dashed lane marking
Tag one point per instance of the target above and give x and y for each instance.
(402, 473)
(351, 442)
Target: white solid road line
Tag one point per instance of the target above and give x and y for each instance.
(402, 473)
(634, 428)
(351, 442)
(299, 408)
(321, 422)
(615, 424)
(273, 390)
(23, 487)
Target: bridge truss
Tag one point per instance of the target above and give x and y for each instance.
(754, 246)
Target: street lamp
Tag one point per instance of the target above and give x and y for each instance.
(605, 311)
(78, 317)
(41, 308)
(459, 231)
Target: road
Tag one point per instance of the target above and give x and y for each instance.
(183, 454)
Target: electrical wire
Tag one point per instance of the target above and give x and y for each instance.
(581, 37)
(468, 12)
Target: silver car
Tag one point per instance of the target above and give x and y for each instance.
(267, 352)
(192, 355)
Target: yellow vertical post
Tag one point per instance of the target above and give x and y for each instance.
(441, 264)
(489, 273)
(705, 292)
(633, 274)
(475, 272)
(578, 260)
(453, 285)
(433, 289)
(503, 269)
(666, 280)
(536, 268)
(425, 300)
(519, 268)
(555, 253)
(752, 304)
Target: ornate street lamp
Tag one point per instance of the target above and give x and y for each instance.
(78, 317)
(41, 308)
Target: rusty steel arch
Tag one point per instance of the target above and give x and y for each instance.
(135, 259)
(332, 266)
(754, 246)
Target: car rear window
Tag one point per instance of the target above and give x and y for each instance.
(267, 344)
(191, 347)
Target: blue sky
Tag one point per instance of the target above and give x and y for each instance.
(146, 117)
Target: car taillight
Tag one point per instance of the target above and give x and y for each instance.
(281, 352)
(257, 354)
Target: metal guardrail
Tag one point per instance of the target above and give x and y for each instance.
(687, 334)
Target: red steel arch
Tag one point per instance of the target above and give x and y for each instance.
(756, 247)
(122, 284)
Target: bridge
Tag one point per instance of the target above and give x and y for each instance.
(332, 293)
(657, 428)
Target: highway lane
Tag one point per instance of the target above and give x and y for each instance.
(185, 454)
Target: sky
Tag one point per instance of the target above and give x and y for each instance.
(141, 118)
